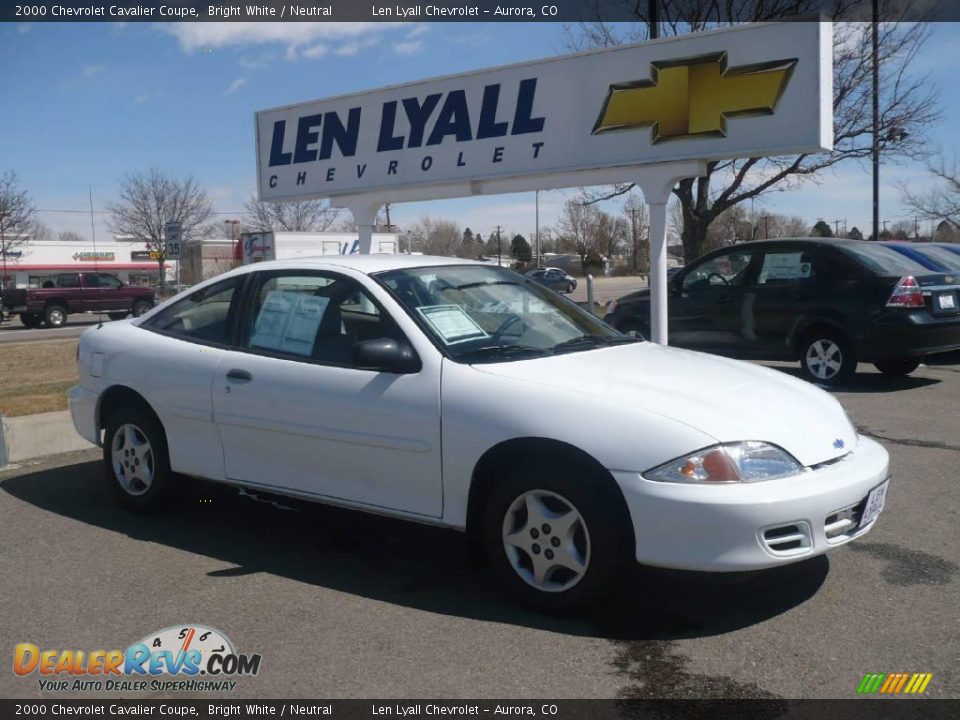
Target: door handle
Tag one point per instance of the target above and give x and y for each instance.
(239, 376)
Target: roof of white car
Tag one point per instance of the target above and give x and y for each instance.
(368, 264)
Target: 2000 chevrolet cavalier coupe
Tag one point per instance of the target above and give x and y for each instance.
(440, 391)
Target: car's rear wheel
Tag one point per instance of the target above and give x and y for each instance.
(827, 358)
(570, 288)
(141, 306)
(555, 541)
(31, 320)
(55, 316)
(898, 367)
(135, 460)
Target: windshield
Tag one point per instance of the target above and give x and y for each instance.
(488, 314)
(883, 260)
(943, 256)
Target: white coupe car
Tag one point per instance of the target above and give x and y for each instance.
(464, 395)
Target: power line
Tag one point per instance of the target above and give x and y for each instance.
(105, 212)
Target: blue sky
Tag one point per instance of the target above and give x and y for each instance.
(87, 103)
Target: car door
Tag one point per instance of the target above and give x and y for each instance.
(706, 304)
(295, 414)
(112, 295)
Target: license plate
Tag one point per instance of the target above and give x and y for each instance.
(947, 301)
(875, 501)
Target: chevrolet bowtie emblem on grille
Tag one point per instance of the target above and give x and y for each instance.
(838, 444)
(694, 96)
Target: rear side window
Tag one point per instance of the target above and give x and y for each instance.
(70, 280)
(884, 261)
(786, 267)
(203, 316)
(108, 281)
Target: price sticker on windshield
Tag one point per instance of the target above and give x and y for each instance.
(451, 323)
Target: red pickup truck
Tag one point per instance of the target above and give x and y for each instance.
(68, 293)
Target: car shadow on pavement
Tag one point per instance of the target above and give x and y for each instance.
(870, 382)
(411, 565)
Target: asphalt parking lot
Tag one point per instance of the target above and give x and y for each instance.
(341, 604)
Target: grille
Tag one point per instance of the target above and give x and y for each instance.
(842, 524)
(790, 539)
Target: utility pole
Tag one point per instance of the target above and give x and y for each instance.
(3, 250)
(499, 248)
(633, 223)
(916, 228)
(836, 225)
(388, 217)
(653, 14)
(536, 233)
(766, 227)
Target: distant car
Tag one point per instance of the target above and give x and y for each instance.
(932, 257)
(74, 292)
(554, 278)
(439, 390)
(828, 303)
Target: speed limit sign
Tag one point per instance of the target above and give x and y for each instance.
(172, 241)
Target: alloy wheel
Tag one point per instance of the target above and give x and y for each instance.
(132, 459)
(546, 541)
(824, 359)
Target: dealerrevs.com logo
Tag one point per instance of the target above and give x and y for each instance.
(187, 658)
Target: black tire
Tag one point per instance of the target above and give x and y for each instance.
(827, 358)
(31, 320)
(141, 306)
(607, 534)
(570, 288)
(124, 471)
(898, 367)
(55, 316)
(117, 315)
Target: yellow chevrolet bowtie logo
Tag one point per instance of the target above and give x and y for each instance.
(694, 97)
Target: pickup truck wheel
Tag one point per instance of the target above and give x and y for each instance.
(135, 459)
(55, 316)
(554, 540)
(141, 306)
(117, 315)
(31, 320)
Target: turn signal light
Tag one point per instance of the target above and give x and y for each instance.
(907, 293)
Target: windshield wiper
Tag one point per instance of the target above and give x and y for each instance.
(591, 341)
(505, 351)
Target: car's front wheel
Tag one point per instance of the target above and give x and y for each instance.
(117, 315)
(898, 367)
(31, 320)
(135, 460)
(141, 306)
(55, 316)
(827, 358)
(555, 542)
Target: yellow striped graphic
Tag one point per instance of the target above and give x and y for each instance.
(894, 683)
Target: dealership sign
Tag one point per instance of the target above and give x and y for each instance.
(754, 90)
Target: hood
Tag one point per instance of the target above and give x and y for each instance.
(726, 399)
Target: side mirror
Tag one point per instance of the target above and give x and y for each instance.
(386, 355)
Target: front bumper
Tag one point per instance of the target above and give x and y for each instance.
(730, 528)
(83, 412)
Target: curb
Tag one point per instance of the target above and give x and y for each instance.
(32, 436)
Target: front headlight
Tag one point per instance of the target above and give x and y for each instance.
(749, 461)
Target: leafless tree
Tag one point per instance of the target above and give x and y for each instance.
(908, 103)
(69, 236)
(579, 226)
(942, 201)
(17, 219)
(149, 200)
(438, 237)
(302, 216)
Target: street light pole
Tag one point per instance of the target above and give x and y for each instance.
(875, 60)
(653, 13)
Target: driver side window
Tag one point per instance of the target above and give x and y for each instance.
(720, 271)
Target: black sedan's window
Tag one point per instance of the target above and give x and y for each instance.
(203, 315)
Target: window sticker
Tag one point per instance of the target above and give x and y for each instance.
(288, 322)
(784, 266)
(451, 323)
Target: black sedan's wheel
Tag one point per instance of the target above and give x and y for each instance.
(55, 316)
(554, 541)
(898, 367)
(141, 306)
(570, 288)
(827, 358)
(135, 460)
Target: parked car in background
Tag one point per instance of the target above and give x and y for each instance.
(438, 390)
(68, 293)
(828, 303)
(554, 278)
(930, 256)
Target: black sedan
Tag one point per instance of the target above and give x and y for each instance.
(554, 278)
(828, 303)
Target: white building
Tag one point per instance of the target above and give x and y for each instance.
(30, 263)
